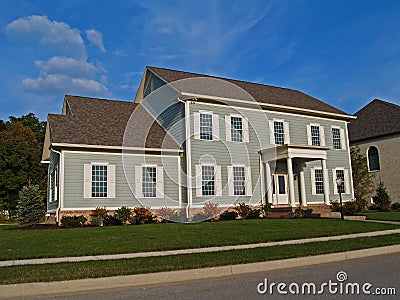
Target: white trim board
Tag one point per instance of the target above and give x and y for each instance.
(116, 147)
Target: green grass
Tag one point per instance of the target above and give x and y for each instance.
(95, 269)
(24, 244)
(383, 216)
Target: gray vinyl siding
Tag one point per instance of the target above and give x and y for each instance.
(163, 105)
(54, 162)
(228, 153)
(124, 173)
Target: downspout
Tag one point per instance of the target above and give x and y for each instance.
(188, 156)
(59, 189)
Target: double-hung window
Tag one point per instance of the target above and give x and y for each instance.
(237, 129)
(337, 144)
(99, 180)
(149, 182)
(340, 174)
(239, 181)
(343, 174)
(279, 133)
(317, 181)
(315, 135)
(208, 180)
(206, 126)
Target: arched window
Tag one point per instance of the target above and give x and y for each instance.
(373, 159)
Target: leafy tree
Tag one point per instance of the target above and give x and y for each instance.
(30, 207)
(20, 155)
(362, 178)
(382, 198)
(30, 120)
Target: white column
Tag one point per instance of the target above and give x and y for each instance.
(262, 181)
(302, 187)
(326, 181)
(291, 182)
(268, 182)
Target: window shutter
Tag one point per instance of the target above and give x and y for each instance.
(271, 132)
(56, 184)
(313, 189)
(245, 124)
(111, 181)
(218, 181)
(160, 182)
(228, 128)
(215, 129)
(309, 141)
(196, 125)
(346, 182)
(322, 135)
(138, 182)
(249, 187)
(342, 139)
(230, 180)
(50, 188)
(335, 190)
(199, 192)
(287, 133)
(87, 181)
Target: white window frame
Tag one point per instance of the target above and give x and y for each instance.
(87, 189)
(196, 125)
(217, 181)
(342, 138)
(286, 131)
(248, 182)
(56, 180)
(322, 142)
(313, 181)
(50, 186)
(346, 181)
(159, 181)
(245, 128)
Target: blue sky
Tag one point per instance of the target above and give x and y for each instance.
(345, 53)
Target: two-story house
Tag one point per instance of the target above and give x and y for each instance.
(376, 131)
(189, 139)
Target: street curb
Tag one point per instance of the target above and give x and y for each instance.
(47, 288)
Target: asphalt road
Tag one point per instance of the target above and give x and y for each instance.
(379, 271)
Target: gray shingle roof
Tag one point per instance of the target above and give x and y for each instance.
(378, 118)
(103, 122)
(260, 92)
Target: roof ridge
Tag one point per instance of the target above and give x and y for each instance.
(225, 78)
(100, 99)
(393, 105)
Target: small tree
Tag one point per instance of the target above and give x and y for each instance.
(382, 198)
(362, 178)
(30, 207)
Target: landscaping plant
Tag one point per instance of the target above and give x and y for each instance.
(98, 216)
(382, 198)
(30, 207)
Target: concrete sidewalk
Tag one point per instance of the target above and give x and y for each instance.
(191, 251)
(82, 285)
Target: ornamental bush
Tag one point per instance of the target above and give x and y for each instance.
(98, 216)
(30, 206)
(123, 214)
(73, 221)
(382, 198)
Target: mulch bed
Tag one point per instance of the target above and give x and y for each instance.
(35, 226)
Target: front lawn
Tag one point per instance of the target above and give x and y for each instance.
(383, 216)
(95, 269)
(24, 244)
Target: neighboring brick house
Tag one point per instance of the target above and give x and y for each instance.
(377, 132)
(193, 139)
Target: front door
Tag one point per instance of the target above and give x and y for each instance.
(280, 189)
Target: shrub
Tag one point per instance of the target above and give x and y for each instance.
(111, 220)
(142, 215)
(302, 213)
(395, 206)
(246, 212)
(30, 207)
(228, 215)
(73, 221)
(98, 216)
(382, 198)
(200, 217)
(266, 210)
(361, 204)
(123, 214)
(178, 216)
(350, 207)
(165, 212)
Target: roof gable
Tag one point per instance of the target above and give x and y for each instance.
(378, 118)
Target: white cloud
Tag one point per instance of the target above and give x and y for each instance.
(67, 66)
(96, 38)
(59, 35)
(57, 83)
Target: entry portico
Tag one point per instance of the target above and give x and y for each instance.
(293, 156)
